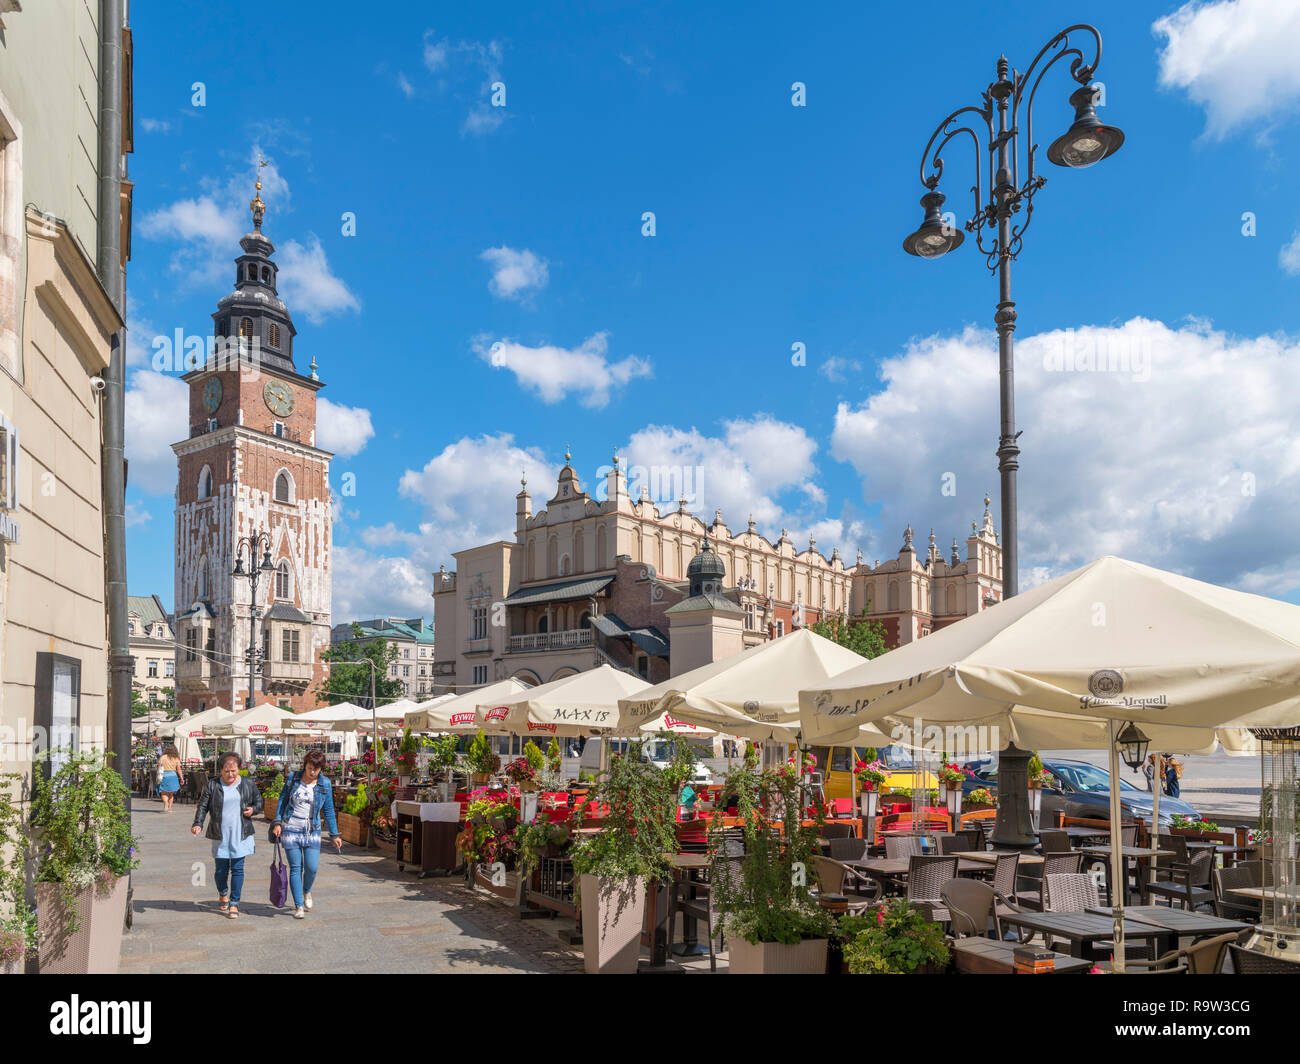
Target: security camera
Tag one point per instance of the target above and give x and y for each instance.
(98, 383)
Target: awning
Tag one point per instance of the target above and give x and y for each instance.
(651, 640)
(565, 592)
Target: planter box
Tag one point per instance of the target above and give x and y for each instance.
(96, 947)
(268, 806)
(613, 911)
(352, 828)
(768, 958)
(510, 889)
(386, 847)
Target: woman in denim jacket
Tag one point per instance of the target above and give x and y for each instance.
(306, 796)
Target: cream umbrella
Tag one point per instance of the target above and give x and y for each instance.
(586, 703)
(753, 694)
(459, 714)
(187, 733)
(1114, 641)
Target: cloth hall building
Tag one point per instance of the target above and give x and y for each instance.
(616, 581)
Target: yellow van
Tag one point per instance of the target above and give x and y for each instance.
(836, 766)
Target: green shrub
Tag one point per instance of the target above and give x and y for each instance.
(901, 940)
(356, 804)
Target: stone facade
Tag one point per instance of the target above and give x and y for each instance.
(153, 645)
(598, 580)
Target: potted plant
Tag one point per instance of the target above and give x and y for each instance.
(900, 941)
(980, 798)
(489, 841)
(1196, 829)
(613, 866)
(271, 795)
(481, 759)
(442, 761)
(354, 819)
(85, 849)
(406, 760)
(18, 931)
(772, 921)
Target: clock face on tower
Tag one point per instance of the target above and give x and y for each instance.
(212, 395)
(278, 397)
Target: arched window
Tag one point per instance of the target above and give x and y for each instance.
(543, 624)
(952, 599)
(203, 587)
(266, 274)
(282, 580)
(205, 483)
(246, 328)
(602, 548)
(283, 487)
(893, 595)
(578, 552)
(532, 559)
(565, 568)
(585, 619)
(552, 557)
(275, 335)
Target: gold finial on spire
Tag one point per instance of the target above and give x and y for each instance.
(313, 368)
(567, 456)
(256, 205)
(523, 478)
(615, 461)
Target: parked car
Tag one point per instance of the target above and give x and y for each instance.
(1083, 790)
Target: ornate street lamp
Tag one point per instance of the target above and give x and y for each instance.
(1132, 745)
(1088, 141)
(252, 544)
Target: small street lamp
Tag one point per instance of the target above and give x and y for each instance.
(1087, 141)
(251, 545)
(1132, 745)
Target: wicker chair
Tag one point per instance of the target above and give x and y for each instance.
(1248, 962)
(1128, 835)
(849, 849)
(1189, 883)
(1230, 906)
(832, 876)
(955, 844)
(925, 879)
(971, 906)
(1054, 841)
(1071, 892)
(831, 830)
(1202, 958)
(902, 846)
(1053, 864)
(975, 834)
(703, 906)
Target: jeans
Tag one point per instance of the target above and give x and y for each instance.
(303, 863)
(232, 867)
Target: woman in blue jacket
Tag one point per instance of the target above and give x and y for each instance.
(305, 798)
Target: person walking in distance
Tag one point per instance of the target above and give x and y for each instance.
(1149, 771)
(1173, 770)
(230, 800)
(307, 797)
(170, 777)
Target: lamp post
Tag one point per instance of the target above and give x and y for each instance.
(251, 545)
(1087, 141)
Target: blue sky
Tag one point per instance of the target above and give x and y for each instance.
(775, 225)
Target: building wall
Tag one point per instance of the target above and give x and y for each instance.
(52, 579)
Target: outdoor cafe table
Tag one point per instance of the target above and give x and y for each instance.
(1129, 853)
(991, 856)
(1081, 929)
(1176, 921)
(1262, 893)
(658, 907)
(989, 956)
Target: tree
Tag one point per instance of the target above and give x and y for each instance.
(858, 634)
(346, 682)
(139, 707)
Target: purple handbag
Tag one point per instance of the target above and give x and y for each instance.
(279, 878)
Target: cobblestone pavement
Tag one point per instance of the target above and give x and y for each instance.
(368, 916)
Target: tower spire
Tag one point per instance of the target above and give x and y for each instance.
(255, 204)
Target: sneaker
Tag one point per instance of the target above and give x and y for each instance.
(299, 913)
(307, 899)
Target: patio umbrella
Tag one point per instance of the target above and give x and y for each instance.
(753, 694)
(585, 703)
(1111, 642)
(459, 714)
(187, 733)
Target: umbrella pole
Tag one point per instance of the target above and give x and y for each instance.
(1118, 864)
(1155, 820)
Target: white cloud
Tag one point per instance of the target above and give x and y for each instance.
(139, 338)
(201, 219)
(136, 515)
(838, 369)
(308, 284)
(156, 415)
(459, 64)
(558, 373)
(364, 585)
(155, 125)
(345, 430)
(1186, 456)
(483, 119)
(744, 473)
(1235, 58)
(516, 274)
(1289, 257)
(404, 83)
